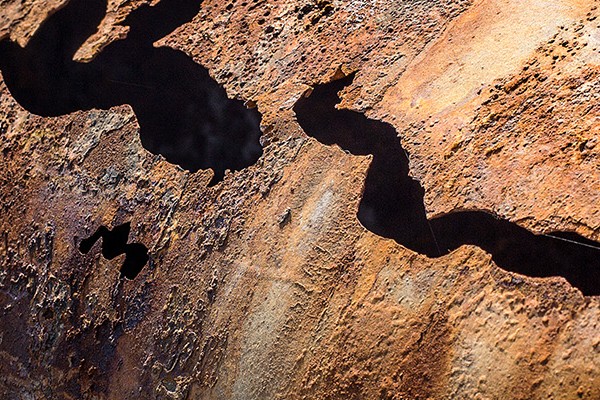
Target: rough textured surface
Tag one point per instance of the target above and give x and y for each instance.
(508, 138)
(266, 285)
(20, 19)
(434, 91)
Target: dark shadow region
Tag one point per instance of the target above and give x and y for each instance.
(392, 205)
(114, 243)
(183, 113)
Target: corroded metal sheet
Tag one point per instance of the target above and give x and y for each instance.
(266, 285)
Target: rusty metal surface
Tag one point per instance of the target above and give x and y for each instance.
(266, 285)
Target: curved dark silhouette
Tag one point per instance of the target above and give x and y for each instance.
(183, 113)
(186, 116)
(114, 243)
(392, 204)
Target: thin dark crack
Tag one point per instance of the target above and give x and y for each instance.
(392, 204)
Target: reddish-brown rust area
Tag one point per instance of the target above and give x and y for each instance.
(236, 304)
(20, 20)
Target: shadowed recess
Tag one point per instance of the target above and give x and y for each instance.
(392, 205)
(114, 243)
(183, 113)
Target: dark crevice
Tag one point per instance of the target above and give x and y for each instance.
(186, 116)
(392, 204)
(114, 243)
(183, 113)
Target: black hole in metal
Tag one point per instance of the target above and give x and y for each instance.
(183, 113)
(114, 243)
(392, 204)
